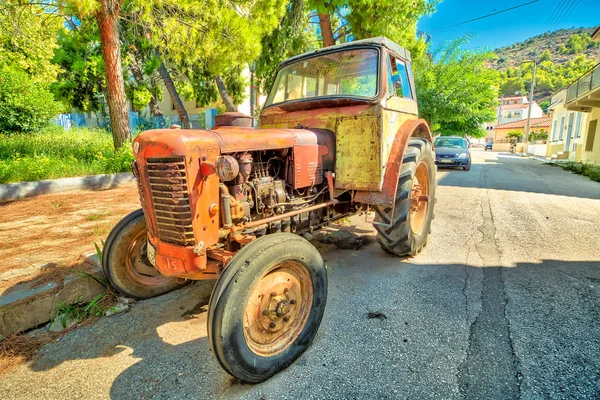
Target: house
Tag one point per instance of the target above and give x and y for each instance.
(583, 96)
(502, 141)
(512, 117)
(564, 140)
(516, 108)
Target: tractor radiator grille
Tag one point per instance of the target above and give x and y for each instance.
(169, 188)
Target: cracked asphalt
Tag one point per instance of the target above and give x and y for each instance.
(503, 303)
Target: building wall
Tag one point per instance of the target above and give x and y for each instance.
(502, 143)
(516, 114)
(592, 156)
(559, 129)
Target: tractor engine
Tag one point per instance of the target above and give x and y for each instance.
(262, 184)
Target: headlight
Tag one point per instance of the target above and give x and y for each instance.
(227, 168)
(462, 155)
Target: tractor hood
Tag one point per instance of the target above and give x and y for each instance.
(223, 139)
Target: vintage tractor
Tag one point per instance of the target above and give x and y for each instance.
(339, 135)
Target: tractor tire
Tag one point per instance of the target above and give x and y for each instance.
(125, 262)
(267, 306)
(406, 232)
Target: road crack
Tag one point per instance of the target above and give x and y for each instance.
(490, 366)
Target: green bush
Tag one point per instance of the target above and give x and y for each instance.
(25, 105)
(590, 170)
(55, 153)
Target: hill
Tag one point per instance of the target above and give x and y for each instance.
(557, 43)
(563, 56)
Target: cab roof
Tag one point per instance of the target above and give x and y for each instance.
(380, 41)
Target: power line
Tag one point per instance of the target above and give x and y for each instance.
(484, 16)
(554, 14)
(568, 10)
(576, 4)
(561, 13)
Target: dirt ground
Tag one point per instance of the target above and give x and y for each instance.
(59, 228)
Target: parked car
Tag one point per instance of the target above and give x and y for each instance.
(452, 151)
(488, 146)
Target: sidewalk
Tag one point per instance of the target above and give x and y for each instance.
(48, 251)
(58, 228)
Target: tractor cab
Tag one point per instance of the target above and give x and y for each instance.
(361, 91)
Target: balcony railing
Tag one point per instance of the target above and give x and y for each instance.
(585, 83)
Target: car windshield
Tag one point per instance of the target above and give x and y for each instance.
(351, 73)
(450, 142)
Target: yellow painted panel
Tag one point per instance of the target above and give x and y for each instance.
(357, 155)
(392, 121)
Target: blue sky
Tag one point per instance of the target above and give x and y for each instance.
(506, 28)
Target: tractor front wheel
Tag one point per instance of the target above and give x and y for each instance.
(267, 306)
(406, 231)
(125, 260)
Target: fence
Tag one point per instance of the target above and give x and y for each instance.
(136, 122)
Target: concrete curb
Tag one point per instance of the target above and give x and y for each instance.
(15, 191)
(26, 306)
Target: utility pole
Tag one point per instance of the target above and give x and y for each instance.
(252, 68)
(530, 105)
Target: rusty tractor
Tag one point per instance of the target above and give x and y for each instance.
(339, 135)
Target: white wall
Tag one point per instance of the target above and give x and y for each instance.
(537, 149)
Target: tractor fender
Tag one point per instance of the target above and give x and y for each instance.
(385, 197)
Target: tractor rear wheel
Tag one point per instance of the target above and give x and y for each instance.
(406, 232)
(125, 260)
(267, 306)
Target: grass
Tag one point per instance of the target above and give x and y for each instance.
(590, 170)
(94, 216)
(55, 153)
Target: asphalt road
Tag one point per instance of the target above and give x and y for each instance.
(504, 302)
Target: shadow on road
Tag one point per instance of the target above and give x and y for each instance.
(551, 309)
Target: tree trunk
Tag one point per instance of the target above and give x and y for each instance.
(154, 108)
(326, 31)
(225, 94)
(138, 76)
(166, 77)
(111, 54)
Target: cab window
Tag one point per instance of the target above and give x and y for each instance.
(401, 80)
(390, 75)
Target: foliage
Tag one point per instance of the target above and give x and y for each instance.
(79, 312)
(545, 45)
(514, 134)
(80, 83)
(456, 93)
(141, 59)
(562, 57)
(360, 19)
(293, 36)
(578, 43)
(590, 170)
(28, 39)
(25, 105)
(204, 88)
(549, 76)
(227, 34)
(544, 105)
(542, 134)
(546, 55)
(55, 153)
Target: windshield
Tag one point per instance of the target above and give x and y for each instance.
(351, 73)
(450, 142)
